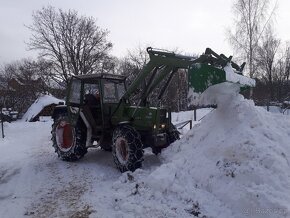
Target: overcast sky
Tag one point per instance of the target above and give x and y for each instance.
(189, 25)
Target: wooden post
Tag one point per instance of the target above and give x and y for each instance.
(194, 111)
(2, 123)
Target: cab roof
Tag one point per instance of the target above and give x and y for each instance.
(100, 76)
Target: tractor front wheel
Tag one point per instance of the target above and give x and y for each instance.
(173, 134)
(127, 148)
(69, 141)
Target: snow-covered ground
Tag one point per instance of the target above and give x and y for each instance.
(233, 163)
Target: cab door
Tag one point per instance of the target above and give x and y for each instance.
(74, 99)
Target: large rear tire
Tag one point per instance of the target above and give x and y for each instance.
(127, 148)
(69, 141)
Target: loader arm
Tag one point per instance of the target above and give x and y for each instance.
(167, 63)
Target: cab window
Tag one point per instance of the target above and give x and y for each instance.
(113, 91)
(75, 91)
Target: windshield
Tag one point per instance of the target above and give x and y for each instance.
(113, 91)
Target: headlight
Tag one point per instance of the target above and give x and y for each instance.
(162, 126)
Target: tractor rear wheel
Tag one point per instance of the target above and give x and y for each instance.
(69, 141)
(127, 148)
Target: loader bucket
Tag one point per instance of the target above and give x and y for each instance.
(202, 76)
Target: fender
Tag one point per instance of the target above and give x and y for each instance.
(59, 109)
(89, 130)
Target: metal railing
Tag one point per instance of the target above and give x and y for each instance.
(183, 124)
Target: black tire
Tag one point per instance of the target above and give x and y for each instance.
(69, 141)
(127, 148)
(106, 142)
(173, 134)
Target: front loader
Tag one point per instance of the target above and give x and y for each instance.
(98, 111)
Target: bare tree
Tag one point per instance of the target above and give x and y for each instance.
(267, 59)
(287, 62)
(7, 95)
(25, 80)
(174, 97)
(74, 44)
(281, 76)
(251, 19)
(131, 65)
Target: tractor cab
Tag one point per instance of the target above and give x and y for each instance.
(105, 88)
(94, 97)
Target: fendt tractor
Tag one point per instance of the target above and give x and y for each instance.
(98, 112)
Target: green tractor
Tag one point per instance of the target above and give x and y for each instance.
(98, 111)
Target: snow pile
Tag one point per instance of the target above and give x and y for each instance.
(235, 163)
(192, 97)
(38, 105)
(236, 159)
(231, 76)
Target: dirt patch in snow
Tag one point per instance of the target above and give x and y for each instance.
(7, 174)
(64, 198)
(68, 197)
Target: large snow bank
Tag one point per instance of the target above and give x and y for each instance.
(38, 105)
(237, 157)
(235, 163)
